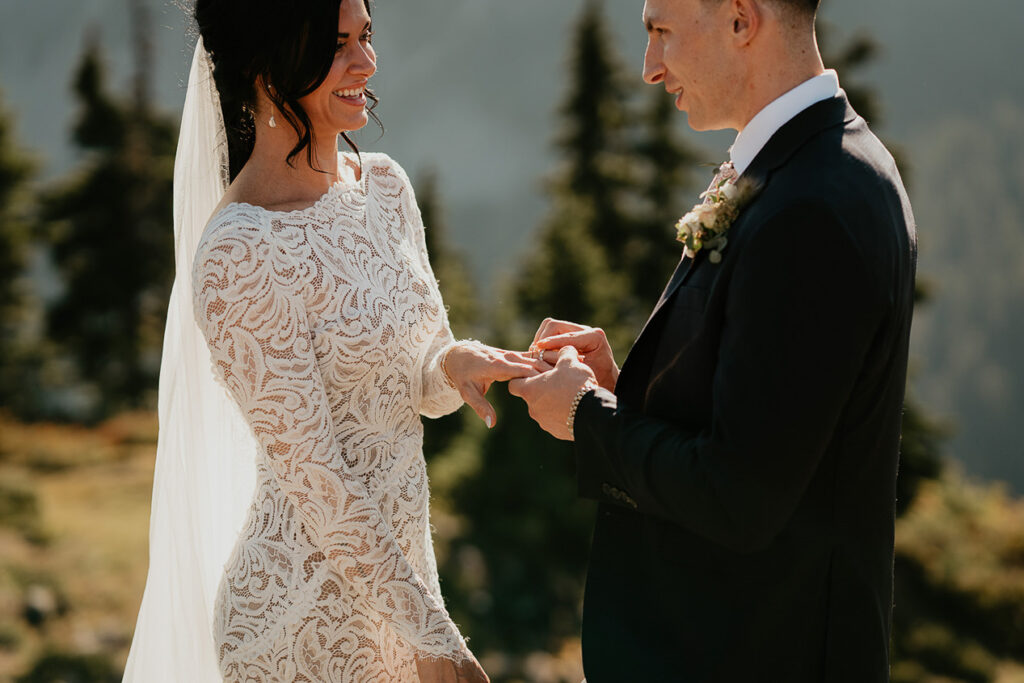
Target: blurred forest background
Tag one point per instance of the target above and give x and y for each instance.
(86, 261)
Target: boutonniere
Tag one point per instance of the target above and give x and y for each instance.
(706, 226)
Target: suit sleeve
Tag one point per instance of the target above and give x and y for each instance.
(801, 314)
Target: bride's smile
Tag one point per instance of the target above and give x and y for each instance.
(353, 96)
(355, 61)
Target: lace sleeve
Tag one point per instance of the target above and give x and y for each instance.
(255, 323)
(439, 397)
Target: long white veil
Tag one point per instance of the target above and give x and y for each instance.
(206, 454)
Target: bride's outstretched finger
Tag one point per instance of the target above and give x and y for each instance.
(474, 398)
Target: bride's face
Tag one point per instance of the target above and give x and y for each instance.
(339, 104)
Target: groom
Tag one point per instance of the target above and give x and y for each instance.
(745, 458)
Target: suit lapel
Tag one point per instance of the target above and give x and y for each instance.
(679, 276)
(776, 152)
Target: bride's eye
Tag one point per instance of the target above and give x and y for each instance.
(367, 37)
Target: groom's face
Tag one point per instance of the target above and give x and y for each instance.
(688, 52)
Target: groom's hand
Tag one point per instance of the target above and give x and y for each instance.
(589, 341)
(549, 395)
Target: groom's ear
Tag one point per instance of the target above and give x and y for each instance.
(747, 18)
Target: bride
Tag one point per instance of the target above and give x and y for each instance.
(290, 538)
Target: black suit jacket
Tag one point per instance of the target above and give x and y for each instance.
(746, 463)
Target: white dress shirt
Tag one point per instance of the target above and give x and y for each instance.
(777, 114)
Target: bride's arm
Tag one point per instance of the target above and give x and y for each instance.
(456, 371)
(255, 323)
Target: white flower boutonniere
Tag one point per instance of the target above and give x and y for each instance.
(707, 224)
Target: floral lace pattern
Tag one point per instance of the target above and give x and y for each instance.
(327, 327)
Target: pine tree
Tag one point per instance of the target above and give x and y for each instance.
(448, 264)
(514, 575)
(595, 141)
(16, 171)
(109, 227)
(652, 251)
(459, 296)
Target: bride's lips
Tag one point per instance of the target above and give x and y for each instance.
(354, 100)
(358, 101)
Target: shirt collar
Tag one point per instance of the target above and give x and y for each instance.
(770, 119)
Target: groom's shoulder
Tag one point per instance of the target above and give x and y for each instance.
(847, 171)
(846, 163)
(843, 185)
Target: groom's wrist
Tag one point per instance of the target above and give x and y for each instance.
(588, 386)
(594, 435)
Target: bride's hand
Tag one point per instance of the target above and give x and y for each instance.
(447, 671)
(474, 367)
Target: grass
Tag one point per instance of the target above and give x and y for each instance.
(88, 552)
(74, 515)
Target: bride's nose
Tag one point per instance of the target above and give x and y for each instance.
(365, 62)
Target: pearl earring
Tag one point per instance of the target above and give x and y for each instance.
(272, 122)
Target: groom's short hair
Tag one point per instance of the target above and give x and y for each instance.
(805, 7)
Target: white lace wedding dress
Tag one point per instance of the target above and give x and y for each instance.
(327, 327)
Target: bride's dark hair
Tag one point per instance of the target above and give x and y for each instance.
(284, 48)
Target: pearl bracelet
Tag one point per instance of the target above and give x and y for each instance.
(571, 420)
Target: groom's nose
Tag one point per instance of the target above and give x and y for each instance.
(654, 69)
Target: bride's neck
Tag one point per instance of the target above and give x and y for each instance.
(282, 183)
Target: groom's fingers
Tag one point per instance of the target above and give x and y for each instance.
(520, 388)
(550, 357)
(551, 327)
(583, 340)
(567, 354)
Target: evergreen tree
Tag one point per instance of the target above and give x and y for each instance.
(595, 143)
(459, 296)
(448, 264)
(514, 575)
(652, 251)
(16, 357)
(109, 226)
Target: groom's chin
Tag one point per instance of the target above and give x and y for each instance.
(703, 126)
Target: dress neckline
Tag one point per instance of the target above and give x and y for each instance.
(337, 187)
